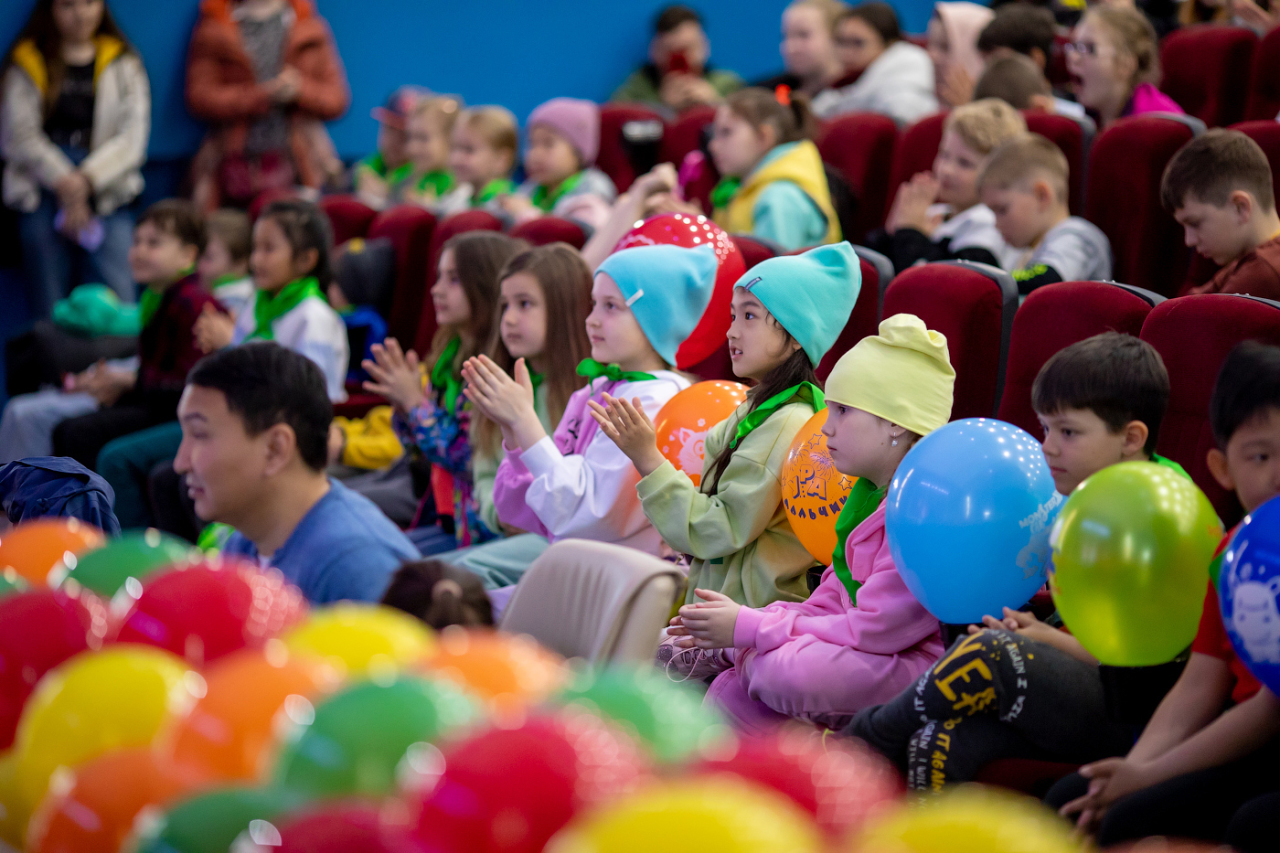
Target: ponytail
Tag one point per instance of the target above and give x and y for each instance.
(786, 111)
(439, 594)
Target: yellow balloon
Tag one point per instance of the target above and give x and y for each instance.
(359, 639)
(970, 819)
(119, 697)
(1131, 553)
(723, 813)
(13, 814)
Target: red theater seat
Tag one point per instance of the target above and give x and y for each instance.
(1125, 168)
(409, 228)
(1264, 86)
(860, 147)
(613, 159)
(1206, 70)
(1193, 334)
(1267, 135)
(349, 216)
(753, 249)
(1052, 318)
(551, 229)
(917, 146)
(1072, 138)
(685, 134)
(877, 272)
(973, 305)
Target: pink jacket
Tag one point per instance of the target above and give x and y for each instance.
(825, 659)
(1148, 99)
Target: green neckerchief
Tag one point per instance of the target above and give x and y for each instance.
(442, 378)
(593, 370)
(536, 379)
(225, 279)
(806, 391)
(148, 305)
(1170, 464)
(545, 200)
(724, 192)
(268, 308)
(439, 182)
(378, 165)
(491, 190)
(864, 498)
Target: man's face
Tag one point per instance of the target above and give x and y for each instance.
(688, 39)
(226, 467)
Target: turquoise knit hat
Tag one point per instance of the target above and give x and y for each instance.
(811, 295)
(667, 287)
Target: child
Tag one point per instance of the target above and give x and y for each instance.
(918, 229)
(773, 184)
(224, 264)
(1114, 60)
(482, 155)
(1196, 764)
(428, 128)
(378, 177)
(439, 594)
(107, 401)
(787, 312)
(559, 160)
(1015, 79)
(291, 247)
(861, 637)
(577, 483)
(1218, 187)
(436, 420)
(1101, 402)
(1025, 185)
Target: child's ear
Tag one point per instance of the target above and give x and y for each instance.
(1135, 438)
(1217, 461)
(1043, 193)
(306, 260)
(190, 255)
(1242, 204)
(768, 135)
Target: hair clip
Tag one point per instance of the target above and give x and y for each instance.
(634, 297)
(783, 94)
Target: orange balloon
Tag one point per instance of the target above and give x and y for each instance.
(505, 670)
(94, 809)
(683, 423)
(34, 548)
(227, 732)
(813, 491)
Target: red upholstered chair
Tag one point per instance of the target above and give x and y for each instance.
(860, 147)
(349, 216)
(1267, 135)
(753, 249)
(917, 146)
(877, 272)
(613, 159)
(551, 229)
(1059, 76)
(973, 305)
(410, 229)
(1207, 69)
(1073, 138)
(1193, 334)
(685, 134)
(1264, 87)
(1052, 318)
(1123, 199)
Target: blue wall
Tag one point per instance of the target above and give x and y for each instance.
(511, 52)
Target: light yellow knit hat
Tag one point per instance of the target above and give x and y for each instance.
(903, 375)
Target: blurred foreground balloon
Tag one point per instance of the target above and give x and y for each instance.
(1131, 554)
(343, 828)
(34, 548)
(1249, 593)
(362, 638)
(506, 671)
(134, 555)
(683, 422)
(813, 491)
(214, 821)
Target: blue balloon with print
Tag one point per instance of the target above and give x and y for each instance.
(1249, 592)
(968, 517)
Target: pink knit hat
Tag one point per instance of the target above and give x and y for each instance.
(576, 120)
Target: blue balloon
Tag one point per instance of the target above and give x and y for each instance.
(1249, 592)
(968, 519)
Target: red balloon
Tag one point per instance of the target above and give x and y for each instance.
(839, 782)
(210, 609)
(509, 789)
(39, 630)
(679, 229)
(344, 828)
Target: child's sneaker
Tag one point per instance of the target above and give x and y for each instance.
(692, 664)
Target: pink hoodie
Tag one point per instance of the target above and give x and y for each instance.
(824, 659)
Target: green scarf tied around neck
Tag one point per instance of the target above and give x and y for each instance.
(593, 370)
(269, 307)
(443, 379)
(149, 300)
(724, 191)
(806, 391)
(546, 200)
(864, 499)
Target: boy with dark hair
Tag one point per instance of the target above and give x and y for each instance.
(1199, 771)
(255, 428)
(1017, 81)
(678, 75)
(1218, 187)
(1034, 691)
(1020, 28)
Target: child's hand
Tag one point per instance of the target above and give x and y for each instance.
(661, 178)
(103, 383)
(213, 329)
(1109, 780)
(1027, 625)
(911, 205)
(668, 203)
(707, 624)
(519, 207)
(396, 375)
(506, 401)
(957, 85)
(629, 427)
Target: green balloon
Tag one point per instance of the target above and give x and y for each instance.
(211, 822)
(11, 582)
(667, 717)
(133, 555)
(359, 737)
(1131, 553)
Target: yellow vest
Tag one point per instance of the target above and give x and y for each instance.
(28, 57)
(802, 165)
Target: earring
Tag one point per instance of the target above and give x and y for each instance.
(893, 443)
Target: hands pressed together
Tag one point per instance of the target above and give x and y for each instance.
(396, 375)
(505, 400)
(911, 205)
(213, 329)
(707, 624)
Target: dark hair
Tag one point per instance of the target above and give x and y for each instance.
(42, 31)
(1248, 383)
(792, 121)
(1212, 166)
(178, 218)
(1020, 28)
(879, 16)
(439, 594)
(235, 231)
(1117, 377)
(565, 280)
(673, 16)
(791, 372)
(306, 227)
(1014, 79)
(267, 384)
